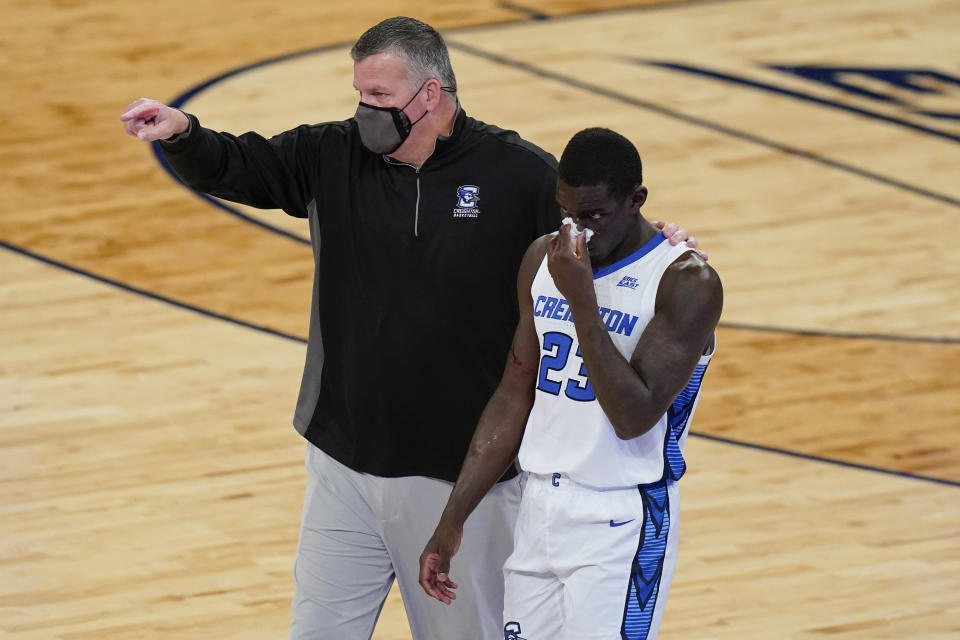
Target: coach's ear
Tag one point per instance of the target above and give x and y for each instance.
(433, 89)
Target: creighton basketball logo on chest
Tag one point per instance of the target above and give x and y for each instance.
(468, 201)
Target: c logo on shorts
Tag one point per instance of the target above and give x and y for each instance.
(511, 631)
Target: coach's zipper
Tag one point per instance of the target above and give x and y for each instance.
(416, 210)
(416, 169)
(416, 206)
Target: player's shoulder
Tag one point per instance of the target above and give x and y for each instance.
(538, 248)
(691, 265)
(534, 255)
(689, 277)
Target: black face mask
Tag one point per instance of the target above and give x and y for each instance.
(384, 129)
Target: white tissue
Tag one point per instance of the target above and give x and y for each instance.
(574, 232)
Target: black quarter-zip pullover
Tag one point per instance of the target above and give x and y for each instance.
(414, 302)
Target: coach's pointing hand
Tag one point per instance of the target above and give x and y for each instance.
(150, 120)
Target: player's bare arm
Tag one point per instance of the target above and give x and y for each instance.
(495, 442)
(635, 394)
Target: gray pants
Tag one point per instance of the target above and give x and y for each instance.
(359, 532)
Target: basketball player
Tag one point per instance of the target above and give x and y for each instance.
(599, 388)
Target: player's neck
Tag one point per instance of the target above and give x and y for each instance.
(639, 234)
(645, 232)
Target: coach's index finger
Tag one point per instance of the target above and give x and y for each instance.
(135, 103)
(140, 109)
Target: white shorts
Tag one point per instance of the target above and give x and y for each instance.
(589, 563)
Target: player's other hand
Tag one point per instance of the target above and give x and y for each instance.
(435, 563)
(675, 235)
(149, 120)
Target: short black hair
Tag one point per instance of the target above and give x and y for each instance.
(419, 44)
(600, 156)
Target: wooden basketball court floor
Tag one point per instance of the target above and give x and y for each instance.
(152, 340)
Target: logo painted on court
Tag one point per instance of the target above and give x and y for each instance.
(918, 88)
(922, 100)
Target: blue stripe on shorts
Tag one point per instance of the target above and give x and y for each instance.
(647, 566)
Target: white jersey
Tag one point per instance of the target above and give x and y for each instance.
(567, 431)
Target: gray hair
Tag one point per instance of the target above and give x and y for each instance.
(417, 43)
